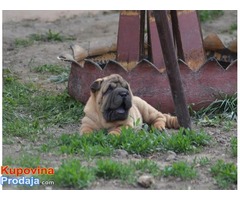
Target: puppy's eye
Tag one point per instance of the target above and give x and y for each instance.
(109, 89)
(126, 87)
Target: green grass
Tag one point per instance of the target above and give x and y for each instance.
(61, 78)
(109, 169)
(141, 142)
(147, 166)
(234, 146)
(220, 113)
(19, 42)
(208, 15)
(225, 174)
(59, 74)
(202, 161)
(27, 111)
(233, 28)
(50, 36)
(94, 145)
(24, 160)
(181, 170)
(49, 68)
(72, 175)
(187, 141)
(224, 106)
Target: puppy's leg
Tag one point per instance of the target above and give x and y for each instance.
(150, 114)
(88, 126)
(171, 121)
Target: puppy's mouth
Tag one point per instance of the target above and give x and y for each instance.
(121, 109)
(118, 114)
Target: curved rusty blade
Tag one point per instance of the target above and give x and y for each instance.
(130, 44)
(200, 87)
(188, 36)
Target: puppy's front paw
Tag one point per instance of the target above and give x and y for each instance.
(85, 131)
(160, 125)
(115, 131)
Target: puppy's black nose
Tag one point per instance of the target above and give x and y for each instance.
(123, 93)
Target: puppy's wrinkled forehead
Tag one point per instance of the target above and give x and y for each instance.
(114, 81)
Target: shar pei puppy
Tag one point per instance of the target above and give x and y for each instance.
(112, 106)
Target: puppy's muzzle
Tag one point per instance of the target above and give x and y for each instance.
(120, 102)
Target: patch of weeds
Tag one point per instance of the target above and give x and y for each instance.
(202, 161)
(23, 42)
(180, 169)
(207, 15)
(72, 175)
(61, 78)
(221, 112)
(60, 74)
(225, 174)
(50, 36)
(8, 160)
(234, 146)
(49, 68)
(56, 109)
(225, 106)
(233, 28)
(24, 160)
(27, 111)
(140, 142)
(109, 169)
(92, 145)
(186, 141)
(228, 125)
(49, 145)
(137, 142)
(146, 166)
(16, 99)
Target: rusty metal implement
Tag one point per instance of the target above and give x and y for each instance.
(206, 70)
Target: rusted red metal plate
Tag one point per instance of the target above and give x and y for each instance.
(200, 87)
(191, 38)
(130, 33)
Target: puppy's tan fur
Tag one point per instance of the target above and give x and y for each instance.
(140, 110)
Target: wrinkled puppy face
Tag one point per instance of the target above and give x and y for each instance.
(113, 96)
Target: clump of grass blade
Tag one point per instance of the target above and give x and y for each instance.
(147, 166)
(225, 106)
(234, 146)
(109, 169)
(72, 175)
(186, 140)
(49, 68)
(206, 15)
(180, 169)
(225, 174)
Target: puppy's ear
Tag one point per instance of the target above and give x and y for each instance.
(96, 85)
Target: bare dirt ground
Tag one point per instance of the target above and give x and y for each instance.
(85, 27)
